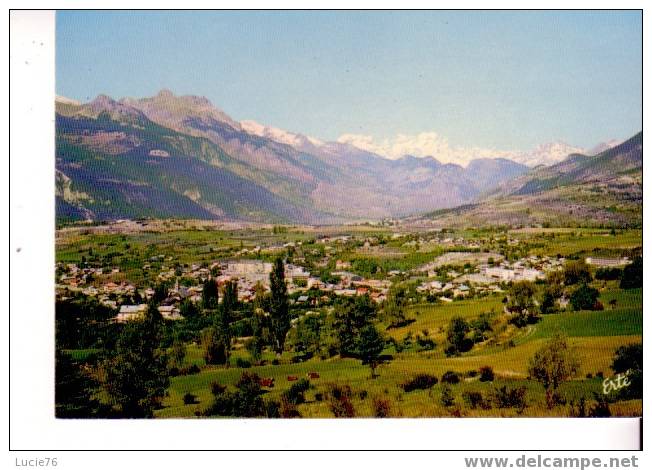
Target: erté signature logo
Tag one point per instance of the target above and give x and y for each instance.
(612, 384)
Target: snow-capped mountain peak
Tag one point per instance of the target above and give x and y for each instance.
(547, 154)
(297, 141)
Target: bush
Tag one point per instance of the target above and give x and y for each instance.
(456, 337)
(382, 407)
(247, 402)
(632, 274)
(222, 405)
(447, 399)
(217, 388)
(295, 394)
(576, 272)
(608, 274)
(189, 399)
(340, 401)
(522, 319)
(601, 408)
(578, 409)
(419, 382)
(426, 344)
(585, 298)
(505, 397)
(362, 394)
(450, 377)
(486, 374)
(272, 409)
(288, 408)
(242, 363)
(475, 400)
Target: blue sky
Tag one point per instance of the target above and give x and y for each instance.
(503, 80)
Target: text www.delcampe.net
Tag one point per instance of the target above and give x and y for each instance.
(540, 461)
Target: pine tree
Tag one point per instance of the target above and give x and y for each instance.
(370, 346)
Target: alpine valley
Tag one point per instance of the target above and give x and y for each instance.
(171, 156)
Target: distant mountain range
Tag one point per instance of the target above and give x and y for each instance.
(181, 157)
(605, 189)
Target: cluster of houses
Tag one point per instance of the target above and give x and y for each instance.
(483, 272)
(249, 274)
(444, 239)
(74, 276)
(487, 277)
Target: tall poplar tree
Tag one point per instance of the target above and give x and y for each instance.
(279, 307)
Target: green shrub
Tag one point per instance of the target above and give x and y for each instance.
(475, 400)
(189, 399)
(217, 388)
(426, 344)
(505, 397)
(272, 409)
(242, 363)
(295, 394)
(419, 382)
(608, 274)
(486, 374)
(450, 377)
(446, 398)
(632, 274)
(585, 298)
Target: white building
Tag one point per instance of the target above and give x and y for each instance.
(516, 274)
(608, 262)
(130, 312)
